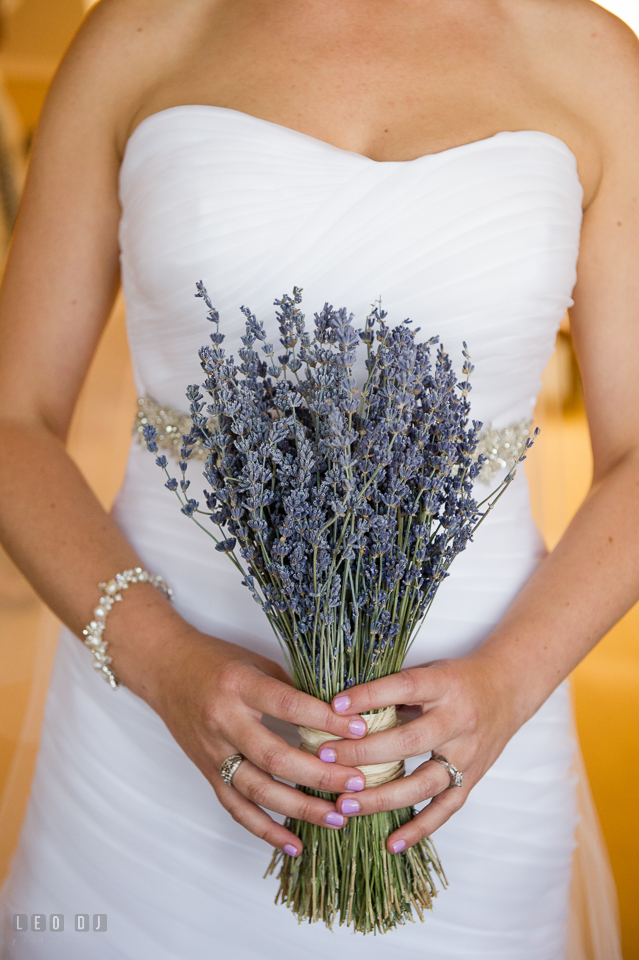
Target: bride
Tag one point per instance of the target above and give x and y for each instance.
(440, 153)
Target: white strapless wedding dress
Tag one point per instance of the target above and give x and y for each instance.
(477, 243)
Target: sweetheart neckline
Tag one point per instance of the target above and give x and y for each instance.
(331, 146)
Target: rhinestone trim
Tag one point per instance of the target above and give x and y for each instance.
(501, 447)
(170, 424)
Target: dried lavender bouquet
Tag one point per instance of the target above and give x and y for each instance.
(343, 509)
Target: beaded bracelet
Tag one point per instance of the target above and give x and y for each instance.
(112, 594)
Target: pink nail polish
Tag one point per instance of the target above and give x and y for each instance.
(335, 819)
(355, 784)
(350, 806)
(327, 755)
(358, 727)
(290, 849)
(341, 703)
(398, 846)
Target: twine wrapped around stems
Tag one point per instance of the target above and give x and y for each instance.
(375, 774)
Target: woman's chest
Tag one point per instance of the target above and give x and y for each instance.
(391, 80)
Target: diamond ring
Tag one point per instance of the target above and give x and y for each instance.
(229, 766)
(456, 776)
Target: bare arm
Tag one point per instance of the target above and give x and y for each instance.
(59, 287)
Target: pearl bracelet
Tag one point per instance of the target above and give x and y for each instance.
(112, 594)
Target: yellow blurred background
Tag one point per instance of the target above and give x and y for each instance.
(606, 685)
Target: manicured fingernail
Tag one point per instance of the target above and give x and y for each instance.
(355, 784)
(290, 849)
(398, 846)
(341, 703)
(350, 806)
(327, 755)
(358, 727)
(335, 819)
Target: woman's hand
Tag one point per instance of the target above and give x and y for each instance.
(211, 694)
(466, 715)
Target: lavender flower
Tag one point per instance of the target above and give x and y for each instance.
(343, 509)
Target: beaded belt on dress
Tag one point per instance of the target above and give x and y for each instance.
(501, 447)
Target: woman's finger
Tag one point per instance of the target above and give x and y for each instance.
(272, 754)
(408, 740)
(427, 781)
(438, 811)
(263, 790)
(280, 700)
(415, 685)
(253, 819)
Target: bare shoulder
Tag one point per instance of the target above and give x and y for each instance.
(578, 29)
(122, 51)
(589, 56)
(583, 63)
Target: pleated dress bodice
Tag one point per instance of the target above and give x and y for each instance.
(477, 243)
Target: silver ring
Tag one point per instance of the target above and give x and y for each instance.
(456, 776)
(229, 766)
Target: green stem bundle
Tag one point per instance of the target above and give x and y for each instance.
(348, 876)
